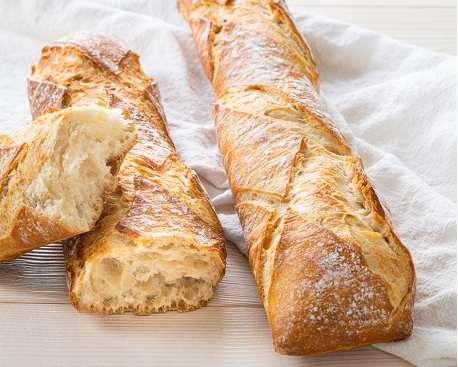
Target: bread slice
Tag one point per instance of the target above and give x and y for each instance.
(55, 173)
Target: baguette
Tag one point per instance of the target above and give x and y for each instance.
(330, 270)
(55, 173)
(158, 245)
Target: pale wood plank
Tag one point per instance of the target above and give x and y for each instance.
(430, 27)
(56, 335)
(384, 3)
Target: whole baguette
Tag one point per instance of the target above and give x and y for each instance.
(52, 184)
(158, 245)
(330, 270)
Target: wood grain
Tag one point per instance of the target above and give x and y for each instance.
(432, 27)
(56, 335)
(374, 3)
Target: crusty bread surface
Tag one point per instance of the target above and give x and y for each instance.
(330, 270)
(55, 173)
(158, 245)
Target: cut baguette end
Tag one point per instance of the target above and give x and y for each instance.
(146, 281)
(126, 275)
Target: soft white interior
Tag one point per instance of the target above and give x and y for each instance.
(163, 274)
(71, 182)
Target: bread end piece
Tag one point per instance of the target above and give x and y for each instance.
(323, 289)
(56, 173)
(109, 272)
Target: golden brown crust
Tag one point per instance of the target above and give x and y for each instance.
(30, 230)
(238, 133)
(152, 146)
(9, 158)
(258, 224)
(244, 67)
(245, 51)
(158, 197)
(153, 96)
(106, 50)
(203, 32)
(149, 213)
(44, 95)
(237, 62)
(223, 12)
(330, 270)
(368, 190)
(311, 266)
(282, 9)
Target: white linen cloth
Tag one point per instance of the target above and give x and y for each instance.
(395, 103)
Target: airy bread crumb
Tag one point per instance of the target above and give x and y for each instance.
(63, 170)
(155, 275)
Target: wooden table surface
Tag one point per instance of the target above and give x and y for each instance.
(39, 327)
(427, 23)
